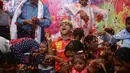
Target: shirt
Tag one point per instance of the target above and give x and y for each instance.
(29, 11)
(59, 46)
(91, 10)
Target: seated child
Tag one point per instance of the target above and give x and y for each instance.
(44, 66)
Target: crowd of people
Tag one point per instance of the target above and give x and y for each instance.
(26, 48)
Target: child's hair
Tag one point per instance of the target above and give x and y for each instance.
(123, 54)
(127, 19)
(66, 21)
(79, 57)
(113, 47)
(74, 45)
(110, 31)
(45, 42)
(78, 32)
(89, 38)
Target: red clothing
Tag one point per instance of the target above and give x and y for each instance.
(59, 46)
(83, 71)
(97, 53)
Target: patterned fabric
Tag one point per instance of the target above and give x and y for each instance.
(24, 45)
(59, 46)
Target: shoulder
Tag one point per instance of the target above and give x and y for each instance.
(4, 15)
(123, 31)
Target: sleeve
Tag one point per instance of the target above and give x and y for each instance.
(108, 38)
(21, 19)
(98, 11)
(71, 8)
(120, 35)
(46, 22)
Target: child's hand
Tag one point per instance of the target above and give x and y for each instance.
(48, 36)
(64, 67)
(35, 54)
(48, 59)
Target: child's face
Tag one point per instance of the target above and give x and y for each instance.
(43, 48)
(65, 28)
(70, 55)
(93, 44)
(92, 68)
(105, 46)
(79, 64)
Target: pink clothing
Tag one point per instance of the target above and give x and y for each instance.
(83, 71)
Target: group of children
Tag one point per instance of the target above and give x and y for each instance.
(72, 52)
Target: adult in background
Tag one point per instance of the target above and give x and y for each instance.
(84, 15)
(123, 35)
(30, 19)
(4, 22)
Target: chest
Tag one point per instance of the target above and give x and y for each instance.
(60, 45)
(30, 11)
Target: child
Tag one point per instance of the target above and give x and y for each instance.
(72, 48)
(123, 35)
(78, 34)
(79, 64)
(43, 65)
(92, 46)
(58, 46)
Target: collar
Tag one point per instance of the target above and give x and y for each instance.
(29, 3)
(60, 38)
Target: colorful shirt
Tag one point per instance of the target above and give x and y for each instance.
(59, 47)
